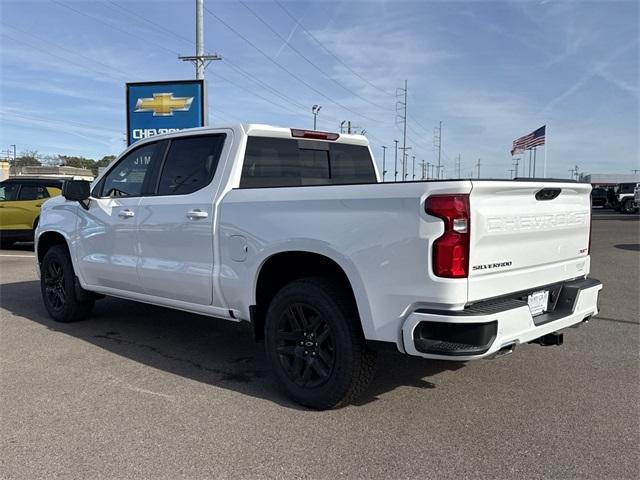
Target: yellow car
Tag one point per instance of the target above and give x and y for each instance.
(20, 202)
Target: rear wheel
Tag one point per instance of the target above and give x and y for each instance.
(315, 344)
(57, 284)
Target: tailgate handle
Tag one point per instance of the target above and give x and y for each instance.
(547, 193)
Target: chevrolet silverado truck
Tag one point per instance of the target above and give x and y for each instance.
(292, 231)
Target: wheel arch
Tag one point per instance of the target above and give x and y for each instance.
(286, 266)
(48, 239)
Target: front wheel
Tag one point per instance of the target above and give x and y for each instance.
(628, 206)
(57, 284)
(315, 344)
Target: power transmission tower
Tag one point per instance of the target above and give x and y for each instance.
(478, 165)
(395, 168)
(384, 159)
(200, 60)
(437, 144)
(402, 92)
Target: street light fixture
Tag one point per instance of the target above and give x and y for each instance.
(315, 110)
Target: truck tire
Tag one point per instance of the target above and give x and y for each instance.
(57, 284)
(315, 344)
(628, 207)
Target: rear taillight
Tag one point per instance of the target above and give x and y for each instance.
(451, 250)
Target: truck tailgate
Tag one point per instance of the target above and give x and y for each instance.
(527, 234)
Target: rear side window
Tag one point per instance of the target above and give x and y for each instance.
(281, 162)
(32, 192)
(190, 164)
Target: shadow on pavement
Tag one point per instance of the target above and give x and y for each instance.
(20, 247)
(634, 247)
(216, 352)
(617, 217)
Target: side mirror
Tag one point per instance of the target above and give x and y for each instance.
(76, 190)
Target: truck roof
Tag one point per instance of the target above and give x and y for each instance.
(261, 130)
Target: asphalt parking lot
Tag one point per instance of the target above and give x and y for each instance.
(144, 392)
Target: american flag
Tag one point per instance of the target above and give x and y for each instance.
(527, 142)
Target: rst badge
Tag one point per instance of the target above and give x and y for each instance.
(154, 108)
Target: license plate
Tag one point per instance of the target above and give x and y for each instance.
(538, 302)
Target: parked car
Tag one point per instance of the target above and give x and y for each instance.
(624, 198)
(291, 231)
(20, 203)
(598, 197)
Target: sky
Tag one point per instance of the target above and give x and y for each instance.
(490, 71)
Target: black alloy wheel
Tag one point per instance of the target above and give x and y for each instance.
(305, 345)
(56, 295)
(58, 287)
(315, 343)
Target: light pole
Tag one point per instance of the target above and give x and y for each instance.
(315, 110)
(384, 157)
(14, 153)
(395, 168)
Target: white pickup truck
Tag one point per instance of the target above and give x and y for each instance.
(292, 231)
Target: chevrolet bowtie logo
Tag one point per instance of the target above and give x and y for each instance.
(163, 104)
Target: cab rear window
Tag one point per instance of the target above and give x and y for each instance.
(282, 162)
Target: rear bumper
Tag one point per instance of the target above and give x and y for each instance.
(483, 329)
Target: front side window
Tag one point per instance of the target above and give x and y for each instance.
(282, 162)
(9, 191)
(32, 192)
(127, 177)
(190, 164)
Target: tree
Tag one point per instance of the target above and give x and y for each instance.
(28, 158)
(103, 162)
(78, 162)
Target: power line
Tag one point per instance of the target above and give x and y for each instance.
(64, 59)
(338, 59)
(110, 25)
(157, 25)
(109, 68)
(283, 68)
(309, 61)
(221, 77)
(228, 62)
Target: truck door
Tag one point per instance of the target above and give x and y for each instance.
(176, 225)
(107, 250)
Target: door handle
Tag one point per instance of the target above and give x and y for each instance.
(126, 214)
(195, 214)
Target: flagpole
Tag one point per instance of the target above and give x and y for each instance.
(534, 162)
(546, 147)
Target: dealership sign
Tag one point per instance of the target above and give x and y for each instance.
(162, 107)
